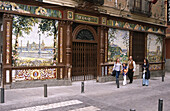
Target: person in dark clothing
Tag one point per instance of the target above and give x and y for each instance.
(145, 73)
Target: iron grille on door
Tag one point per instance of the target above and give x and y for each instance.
(84, 61)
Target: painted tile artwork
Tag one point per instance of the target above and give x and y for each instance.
(118, 47)
(132, 26)
(153, 67)
(28, 9)
(34, 41)
(154, 48)
(42, 74)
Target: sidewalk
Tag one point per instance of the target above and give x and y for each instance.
(29, 96)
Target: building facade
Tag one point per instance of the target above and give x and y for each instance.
(74, 40)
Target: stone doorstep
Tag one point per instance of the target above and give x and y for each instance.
(38, 83)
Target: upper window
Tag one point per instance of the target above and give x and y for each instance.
(138, 4)
(140, 7)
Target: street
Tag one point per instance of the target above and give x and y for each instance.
(97, 97)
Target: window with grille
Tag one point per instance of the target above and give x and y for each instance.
(138, 4)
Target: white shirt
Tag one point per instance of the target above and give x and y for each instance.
(144, 69)
(117, 67)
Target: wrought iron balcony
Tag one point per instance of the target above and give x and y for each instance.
(97, 2)
(144, 8)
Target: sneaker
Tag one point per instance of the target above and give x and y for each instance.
(143, 84)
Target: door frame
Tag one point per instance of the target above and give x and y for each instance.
(131, 43)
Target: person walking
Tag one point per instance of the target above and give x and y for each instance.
(117, 68)
(125, 70)
(145, 73)
(131, 69)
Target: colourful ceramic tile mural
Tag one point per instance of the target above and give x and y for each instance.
(134, 26)
(118, 47)
(36, 74)
(27, 9)
(154, 48)
(153, 67)
(34, 41)
(110, 69)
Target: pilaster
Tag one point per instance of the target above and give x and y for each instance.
(7, 47)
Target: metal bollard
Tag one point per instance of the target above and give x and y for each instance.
(45, 90)
(132, 110)
(160, 105)
(82, 87)
(163, 77)
(2, 95)
(117, 81)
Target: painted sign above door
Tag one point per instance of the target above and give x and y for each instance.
(28, 9)
(86, 18)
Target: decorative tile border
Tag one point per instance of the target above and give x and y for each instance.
(61, 73)
(86, 18)
(8, 43)
(136, 27)
(69, 73)
(34, 74)
(106, 47)
(28, 9)
(110, 69)
(104, 20)
(70, 15)
(154, 67)
(61, 45)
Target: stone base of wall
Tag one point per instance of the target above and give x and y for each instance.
(138, 76)
(108, 78)
(167, 65)
(157, 73)
(38, 83)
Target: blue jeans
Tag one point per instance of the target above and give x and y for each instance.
(145, 81)
(117, 74)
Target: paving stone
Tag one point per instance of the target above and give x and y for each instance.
(104, 96)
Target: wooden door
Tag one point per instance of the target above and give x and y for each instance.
(138, 47)
(84, 61)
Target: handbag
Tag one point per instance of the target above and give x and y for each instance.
(113, 73)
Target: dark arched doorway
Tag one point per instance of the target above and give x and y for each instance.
(84, 56)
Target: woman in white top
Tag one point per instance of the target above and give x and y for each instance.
(117, 67)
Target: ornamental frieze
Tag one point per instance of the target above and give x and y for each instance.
(28, 9)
